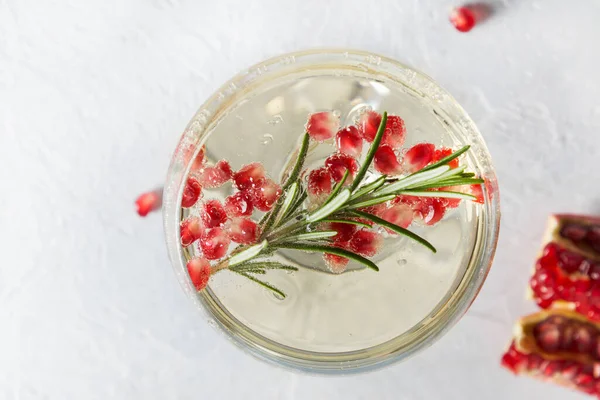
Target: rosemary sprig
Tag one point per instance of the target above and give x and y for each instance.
(289, 226)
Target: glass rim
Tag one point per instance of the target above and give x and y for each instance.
(407, 343)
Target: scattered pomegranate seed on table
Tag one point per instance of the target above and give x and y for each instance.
(148, 202)
(465, 18)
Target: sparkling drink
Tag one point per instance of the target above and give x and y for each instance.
(360, 317)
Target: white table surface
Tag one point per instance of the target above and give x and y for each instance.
(93, 97)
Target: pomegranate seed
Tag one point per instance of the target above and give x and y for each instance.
(243, 230)
(385, 161)
(344, 231)
(442, 153)
(338, 163)
(199, 160)
(463, 19)
(238, 204)
(366, 243)
(265, 195)
(398, 214)
(191, 193)
(430, 209)
(368, 124)
(593, 238)
(534, 362)
(548, 336)
(337, 264)
(584, 339)
(594, 272)
(570, 371)
(214, 243)
(148, 202)
(319, 182)
(212, 177)
(569, 261)
(199, 271)
(191, 229)
(395, 132)
(249, 176)
(349, 141)
(322, 125)
(477, 191)
(574, 232)
(418, 156)
(213, 214)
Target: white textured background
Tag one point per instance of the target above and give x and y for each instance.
(93, 97)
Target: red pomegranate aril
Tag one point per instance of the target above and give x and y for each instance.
(214, 243)
(337, 264)
(463, 19)
(148, 202)
(243, 230)
(344, 231)
(548, 337)
(431, 210)
(418, 156)
(398, 214)
(238, 204)
(213, 214)
(349, 141)
(368, 124)
(213, 177)
(574, 232)
(584, 339)
(322, 125)
(386, 162)
(366, 242)
(593, 238)
(249, 176)
(338, 163)
(266, 195)
(569, 261)
(191, 193)
(477, 191)
(200, 159)
(594, 272)
(395, 132)
(319, 183)
(199, 272)
(444, 152)
(191, 229)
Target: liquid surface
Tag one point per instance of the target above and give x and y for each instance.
(358, 309)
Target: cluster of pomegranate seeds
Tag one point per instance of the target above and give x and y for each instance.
(569, 268)
(214, 225)
(148, 202)
(563, 343)
(558, 346)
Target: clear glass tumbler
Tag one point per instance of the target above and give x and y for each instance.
(357, 320)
